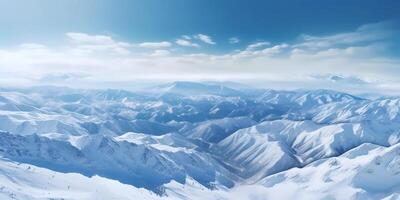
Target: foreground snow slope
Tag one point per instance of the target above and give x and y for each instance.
(365, 172)
(24, 181)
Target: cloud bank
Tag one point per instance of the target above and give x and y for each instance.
(356, 58)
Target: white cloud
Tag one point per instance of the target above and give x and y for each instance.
(54, 78)
(86, 43)
(257, 45)
(186, 43)
(234, 40)
(32, 46)
(205, 38)
(255, 50)
(275, 49)
(364, 34)
(155, 45)
(92, 61)
(341, 79)
(186, 37)
(160, 52)
(89, 39)
(359, 52)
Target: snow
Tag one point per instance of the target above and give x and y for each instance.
(187, 140)
(366, 172)
(23, 181)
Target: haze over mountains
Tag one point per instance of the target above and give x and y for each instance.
(189, 140)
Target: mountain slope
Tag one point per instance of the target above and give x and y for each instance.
(366, 172)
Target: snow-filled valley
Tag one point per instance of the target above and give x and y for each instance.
(187, 140)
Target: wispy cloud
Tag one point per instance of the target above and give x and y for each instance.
(205, 38)
(364, 34)
(234, 40)
(341, 79)
(83, 38)
(257, 45)
(186, 37)
(186, 43)
(155, 45)
(33, 46)
(255, 50)
(160, 52)
(61, 77)
(92, 43)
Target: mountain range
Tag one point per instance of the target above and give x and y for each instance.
(193, 140)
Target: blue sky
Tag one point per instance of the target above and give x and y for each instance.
(284, 44)
(135, 20)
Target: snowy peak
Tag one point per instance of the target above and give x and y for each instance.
(195, 88)
(307, 99)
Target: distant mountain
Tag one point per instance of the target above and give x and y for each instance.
(194, 88)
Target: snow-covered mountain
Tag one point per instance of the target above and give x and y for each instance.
(186, 140)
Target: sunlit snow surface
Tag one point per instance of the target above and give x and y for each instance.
(187, 140)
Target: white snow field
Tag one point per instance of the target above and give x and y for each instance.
(188, 140)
